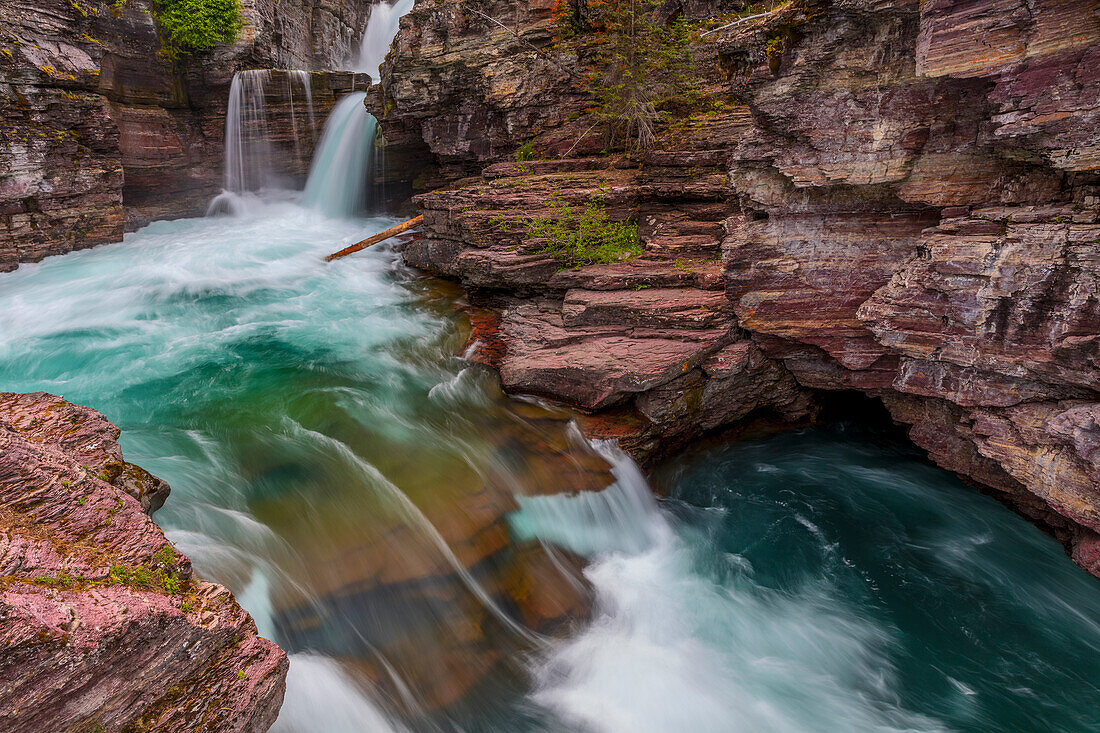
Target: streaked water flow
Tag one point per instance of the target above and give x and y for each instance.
(344, 161)
(382, 26)
(438, 558)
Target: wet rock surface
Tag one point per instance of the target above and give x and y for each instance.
(104, 623)
(899, 198)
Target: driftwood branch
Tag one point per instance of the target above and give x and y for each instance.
(376, 238)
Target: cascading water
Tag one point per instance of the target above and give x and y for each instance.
(248, 158)
(384, 22)
(303, 81)
(251, 162)
(414, 540)
(343, 164)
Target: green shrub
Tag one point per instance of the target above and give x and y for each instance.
(196, 25)
(586, 238)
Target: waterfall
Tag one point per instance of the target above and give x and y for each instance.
(247, 142)
(302, 79)
(343, 162)
(385, 19)
(250, 156)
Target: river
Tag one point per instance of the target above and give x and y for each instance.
(435, 556)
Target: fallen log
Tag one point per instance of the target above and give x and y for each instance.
(376, 238)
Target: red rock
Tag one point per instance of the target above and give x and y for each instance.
(649, 308)
(593, 368)
(87, 642)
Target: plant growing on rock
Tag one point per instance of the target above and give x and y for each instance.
(639, 67)
(196, 25)
(587, 237)
(525, 152)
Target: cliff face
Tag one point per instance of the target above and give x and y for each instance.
(894, 197)
(102, 132)
(104, 623)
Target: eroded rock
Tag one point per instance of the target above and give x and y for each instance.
(103, 622)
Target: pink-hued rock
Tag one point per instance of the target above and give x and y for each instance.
(1052, 449)
(594, 367)
(904, 196)
(86, 436)
(1008, 309)
(648, 308)
(101, 620)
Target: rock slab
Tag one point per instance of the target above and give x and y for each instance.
(102, 621)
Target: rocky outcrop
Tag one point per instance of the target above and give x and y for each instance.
(103, 131)
(652, 338)
(905, 198)
(105, 626)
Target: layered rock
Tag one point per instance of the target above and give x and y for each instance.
(904, 197)
(103, 130)
(104, 623)
(650, 339)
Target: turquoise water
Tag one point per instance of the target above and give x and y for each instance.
(966, 613)
(346, 474)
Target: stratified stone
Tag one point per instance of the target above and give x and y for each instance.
(904, 196)
(103, 623)
(647, 308)
(997, 309)
(593, 368)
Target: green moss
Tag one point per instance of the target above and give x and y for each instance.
(61, 581)
(142, 577)
(196, 25)
(588, 237)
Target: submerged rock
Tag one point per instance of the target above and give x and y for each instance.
(102, 621)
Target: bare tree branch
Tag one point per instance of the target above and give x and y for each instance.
(739, 21)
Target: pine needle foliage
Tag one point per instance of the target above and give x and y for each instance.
(639, 67)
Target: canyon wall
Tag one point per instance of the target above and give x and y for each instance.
(105, 627)
(102, 130)
(887, 196)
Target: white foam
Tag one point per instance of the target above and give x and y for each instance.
(321, 696)
(673, 649)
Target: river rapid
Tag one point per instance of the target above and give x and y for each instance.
(435, 556)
